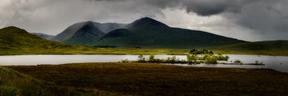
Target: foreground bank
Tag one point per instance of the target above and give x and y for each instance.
(162, 80)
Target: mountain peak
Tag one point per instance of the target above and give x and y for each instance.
(87, 23)
(13, 27)
(147, 19)
(89, 26)
(147, 22)
(80, 33)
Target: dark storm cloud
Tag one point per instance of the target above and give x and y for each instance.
(268, 18)
(201, 7)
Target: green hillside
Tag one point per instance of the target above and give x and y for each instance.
(279, 47)
(19, 39)
(14, 40)
(168, 38)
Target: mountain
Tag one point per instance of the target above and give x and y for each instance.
(44, 36)
(13, 38)
(80, 33)
(145, 33)
(85, 33)
(149, 33)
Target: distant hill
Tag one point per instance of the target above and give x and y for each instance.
(13, 38)
(279, 47)
(262, 45)
(145, 33)
(44, 36)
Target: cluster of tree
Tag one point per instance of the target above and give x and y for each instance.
(208, 59)
(152, 59)
(201, 51)
(194, 57)
(197, 56)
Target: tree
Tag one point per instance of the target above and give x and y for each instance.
(141, 59)
(151, 58)
(191, 58)
(211, 60)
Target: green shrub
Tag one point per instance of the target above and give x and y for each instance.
(191, 58)
(258, 63)
(125, 61)
(211, 60)
(238, 62)
(201, 51)
(171, 59)
(141, 59)
(151, 58)
(222, 58)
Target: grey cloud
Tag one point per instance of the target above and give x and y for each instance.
(207, 9)
(267, 18)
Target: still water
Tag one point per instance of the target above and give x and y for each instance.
(279, 63)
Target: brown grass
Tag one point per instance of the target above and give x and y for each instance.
(163, 80)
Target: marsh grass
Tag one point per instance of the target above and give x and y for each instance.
(13, 83)
(145, 79)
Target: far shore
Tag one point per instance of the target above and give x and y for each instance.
(130, 51)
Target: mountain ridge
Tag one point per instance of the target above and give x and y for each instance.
(85, 32)
(149, 33)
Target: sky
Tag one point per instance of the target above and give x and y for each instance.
(251, 20)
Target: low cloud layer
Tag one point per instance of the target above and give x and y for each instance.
(244, 19)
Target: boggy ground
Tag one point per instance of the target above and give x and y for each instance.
(162, 80)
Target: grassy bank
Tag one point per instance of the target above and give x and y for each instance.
(132, 51)
(279, 47)
(162, 80)
(87, 50)
(255, 52)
